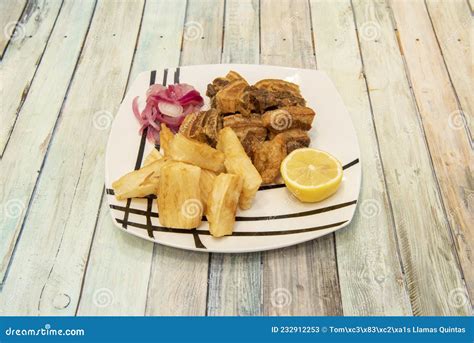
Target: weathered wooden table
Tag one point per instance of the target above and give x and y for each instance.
(404, 70)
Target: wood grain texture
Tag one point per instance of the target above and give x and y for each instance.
(179, 278)
(451, 152)
(453, 26)
(242, 32)
(370, 275)
(47, 270)
(426, 247)
(299, 280)
(25, 50)
(119, 263)
(35, 125)
(235, 280)
(10, 12)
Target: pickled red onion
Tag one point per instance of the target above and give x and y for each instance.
(166, 105)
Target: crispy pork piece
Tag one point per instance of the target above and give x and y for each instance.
(222, 204)
(291, 117)
(221, 82)
(249, 129)
(196, 153)
(179, 203)
(295, 139)
(237, 162)
(238, 121)
(260, 100)
(268, 157)
(251, 142)
(230, 98)
(275, 85)
(233, 75)
(202, 126)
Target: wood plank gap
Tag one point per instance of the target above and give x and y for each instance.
(40, 171)
(433, 169)
(378, 148)
(103, 193)
(88, 256)
(28, 87)
(462, 112)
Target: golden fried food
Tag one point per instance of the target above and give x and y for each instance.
(222, 204)
(268, 157)
(206, 182)
(234, 76)
(229, 98)
(153, 156)
(295, 139)
(275, 85)
(196, 153)
(179, 203)
(260, 100)
(139, 183)
(166, 136)
(249, 129)
(237, 162)
(291, 117)
(202, 126)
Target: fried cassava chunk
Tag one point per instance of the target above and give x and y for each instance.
(222, 204)
(179, 202)
(237, 162)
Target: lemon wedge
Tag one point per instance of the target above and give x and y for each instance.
(311, 175)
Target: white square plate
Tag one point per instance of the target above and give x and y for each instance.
(276, 218)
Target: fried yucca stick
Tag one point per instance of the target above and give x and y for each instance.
(139, 183)
(179, 202)
(196, 153)
(166, 136)
(206, 182)
(222, 204)
(153, 156)
(237, 162)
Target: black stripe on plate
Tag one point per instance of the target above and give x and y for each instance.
(148, 218)
(248, 219)
(110, 191)
(237, 234)
(265, 187)
(351, 164)
(197, 240)
(176, 75)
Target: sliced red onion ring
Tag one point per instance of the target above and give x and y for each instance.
(169, 109)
